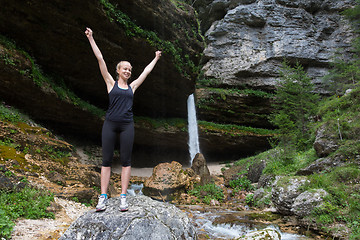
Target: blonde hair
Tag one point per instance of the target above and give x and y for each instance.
(118, 66)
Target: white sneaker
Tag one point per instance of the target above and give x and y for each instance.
(123, 204)
(101, 206)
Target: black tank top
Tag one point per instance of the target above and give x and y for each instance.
(120, 104)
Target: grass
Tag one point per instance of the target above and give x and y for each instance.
(342, 183)
(236, 91)
(343, 202)
(182, 61)
(233, 129)
(29, 203)
(43, 81)
(10, 114)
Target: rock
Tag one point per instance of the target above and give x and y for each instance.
(246, 44)
(267, 233)
(322, 164)
(325, 141)
(255, 171)
(284, 192)
(200, 168)
(56, 177)
(258, 194)
(239, 53)
(82, 194)
(166, 181)
(50, 25)
(266, 180)
(305, 203)
(146, 219)
(348, 91)
(9, 181)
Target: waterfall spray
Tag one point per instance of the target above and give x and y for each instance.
(193, 128)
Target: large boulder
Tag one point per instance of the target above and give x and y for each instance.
(200, 168)
(166, 181)
(322, 164)
(326, 141)
(284, 192)
(307, 201)
(146, 219)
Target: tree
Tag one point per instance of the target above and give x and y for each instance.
(295, 104)
(345, 72)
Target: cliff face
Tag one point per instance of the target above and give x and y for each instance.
(247, 41)
(53, 33)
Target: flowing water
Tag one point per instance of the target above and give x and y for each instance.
(227, 224)
(194, 147)
(220, 223)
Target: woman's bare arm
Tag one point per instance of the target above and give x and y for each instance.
(102, 65)
(136, 83)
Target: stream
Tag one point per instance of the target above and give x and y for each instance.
(219, 223)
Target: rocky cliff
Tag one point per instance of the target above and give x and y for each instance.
(247, 41)
(52, 74)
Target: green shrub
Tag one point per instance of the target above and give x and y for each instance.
(249, 199)
(207, 192)
(241, 183)
(27, 203)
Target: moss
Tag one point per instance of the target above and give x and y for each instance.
(43, 81)
(266, 216)
(8, 153)
(235, 130)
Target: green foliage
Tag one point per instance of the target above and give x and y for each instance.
(241, 183)
(340, 115)
(249, 199)
(343, 202)
(295, 104)
(44, 81)
(11, 114)
(239, 92)
(27, 203)
(207, 192)
(182, 62)
(234, 129)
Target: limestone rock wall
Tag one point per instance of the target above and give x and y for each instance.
(247, 40)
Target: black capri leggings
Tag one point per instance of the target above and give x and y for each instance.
(109, 133)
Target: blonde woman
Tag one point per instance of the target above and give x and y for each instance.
(118, 120)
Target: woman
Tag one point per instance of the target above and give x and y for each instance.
(118, 120)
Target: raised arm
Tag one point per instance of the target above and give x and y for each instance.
(102, 65)
(136, 83)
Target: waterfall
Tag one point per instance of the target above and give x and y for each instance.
(192, 128)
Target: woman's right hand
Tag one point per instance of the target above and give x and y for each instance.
(88, 32)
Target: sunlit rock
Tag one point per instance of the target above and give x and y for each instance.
(267, 233)
(167, 180)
